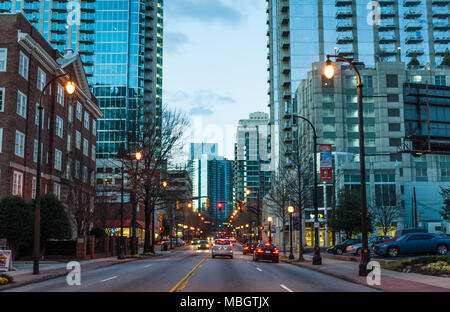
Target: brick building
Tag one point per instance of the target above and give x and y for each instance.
(27, 64)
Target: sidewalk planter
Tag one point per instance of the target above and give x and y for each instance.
(432, 265)
(5, 279)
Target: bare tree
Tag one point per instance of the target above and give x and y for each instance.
(383, 216)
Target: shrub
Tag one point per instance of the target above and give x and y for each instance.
(8, 278)
(134, 256)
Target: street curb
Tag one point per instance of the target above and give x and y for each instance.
(56, 275)
(343, 277)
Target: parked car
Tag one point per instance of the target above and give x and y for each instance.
(266, 251)
(195, 241)
(222, 247)
(356, 249)
(339, 249)
(203, 244)
(414, 243)
(249, 248)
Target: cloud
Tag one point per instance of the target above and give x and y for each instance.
(174, 40)
(203, 10)
(200, 102)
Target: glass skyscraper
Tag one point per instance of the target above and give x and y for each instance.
(66, 24)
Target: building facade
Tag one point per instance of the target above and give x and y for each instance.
(301, 32)
(392, 176)
(27, 63)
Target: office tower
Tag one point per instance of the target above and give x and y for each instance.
(251, 161)
(66, 24)
(301, 32)
(391, 114)
(212, 183)
(198, 149)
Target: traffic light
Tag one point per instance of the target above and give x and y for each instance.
(219, 205)
(178, 205)
(260, 227)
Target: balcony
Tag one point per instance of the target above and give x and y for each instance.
(413, 39)
(58, 20)
(285, 21)
(288, 138)
(387, 13)
(344, 26)
(286, 84)
(286, 58)
(442, 39)
(384, 3)
(342, 14)
(286, 95)
(440, 2)
(285, 46)
(388, 52)
(387, 39)
(440, 13)
(414, 51)
(285, 33)
(440, 51)
(284, 8)
(344, 39)
(441, 26)
(288, 151)
(386, 27)
(286, 71)
(346, 52)
(413, 27)
(287, 126)
(87, 41)
(411, 3)
(343, 3)
(412, 14)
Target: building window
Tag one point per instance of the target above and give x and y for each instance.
(86, 120)
(421, 174)
(23, 65)
(392, 81)
(93, 152)
(36, 117)
(92, 177)
(3, 58)
(77, 169)
(79, 111)
(17, 183)
(69, 142)
(445, 174)
(94, 127)
(77, 139)
(58, 159)
(60, 95)
(367, 81)
(440, 80)
(86, 147)
(416, 78)
(70, 114)
(394, 127)
(33, 187)
(85, 171)
(20, 144)
(394, 112)
(41, 79)
(395, 141)
(35, 151)
(2, 99)
(392, 97)
(59, 126)
(57, 190)
(21, 104)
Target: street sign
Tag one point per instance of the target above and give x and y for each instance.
(316, 224)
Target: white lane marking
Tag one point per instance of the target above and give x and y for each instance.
(259, 269)
(108, 279)
(289, 290)
(148, 265)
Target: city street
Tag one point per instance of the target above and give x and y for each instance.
(192, 270)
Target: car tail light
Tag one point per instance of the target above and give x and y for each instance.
(267, 244)
(259, 250)
(245, 248)
(276, 251)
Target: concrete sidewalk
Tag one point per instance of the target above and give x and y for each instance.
(391, 281)
(23, 275)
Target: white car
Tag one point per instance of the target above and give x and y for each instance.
(222, 247)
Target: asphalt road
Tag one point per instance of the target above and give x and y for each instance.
(195, 271)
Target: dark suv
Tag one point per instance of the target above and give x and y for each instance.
(339, 249)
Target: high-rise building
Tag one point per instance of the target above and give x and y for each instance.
(301, 32)
(68, 24)
(251, 161)
(198, 149)
(391, 115)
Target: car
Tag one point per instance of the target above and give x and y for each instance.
(339, 249)
(414, 243)
(203, 244)
(249, 248)
(222, 247)
(266, 251)
(195, 241)
(356, 249)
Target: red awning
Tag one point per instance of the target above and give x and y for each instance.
(126, 223)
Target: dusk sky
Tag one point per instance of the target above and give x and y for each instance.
(215, 64)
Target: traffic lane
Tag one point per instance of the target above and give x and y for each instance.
(138, 275)
(241, 274)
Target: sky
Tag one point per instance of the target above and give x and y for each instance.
(215, 65)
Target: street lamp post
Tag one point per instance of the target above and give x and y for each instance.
(269, 219)
(317, 258)
(258, 211)
(329, 72)
(70, 88)
(290, 211)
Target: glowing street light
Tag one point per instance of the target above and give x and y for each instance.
(290, 209)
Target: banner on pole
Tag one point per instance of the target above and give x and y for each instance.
(5, 260)
(326, 163)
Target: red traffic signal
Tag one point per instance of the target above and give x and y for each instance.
(219, 205)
